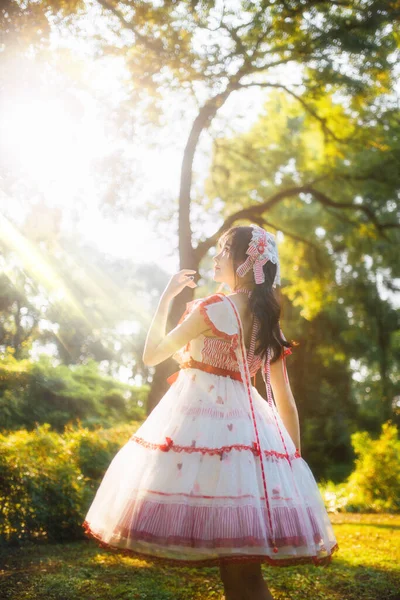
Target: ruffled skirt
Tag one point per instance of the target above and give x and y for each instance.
(188, 488)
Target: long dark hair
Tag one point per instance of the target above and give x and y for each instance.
(264, 301)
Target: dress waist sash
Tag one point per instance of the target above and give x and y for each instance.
(196, 364)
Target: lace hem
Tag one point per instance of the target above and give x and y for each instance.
(209, 562)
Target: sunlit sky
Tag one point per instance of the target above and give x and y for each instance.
(43, 138)
(57, 151)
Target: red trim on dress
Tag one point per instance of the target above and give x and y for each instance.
(192, 495)
(211, 561)
(170, 445)
(203, 310)
(188, 309)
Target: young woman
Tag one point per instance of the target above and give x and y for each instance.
(214, 476)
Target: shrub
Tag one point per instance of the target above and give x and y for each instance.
(37, 392)
(374, 485)
(42, 492)
(48, 480)
(93, 450)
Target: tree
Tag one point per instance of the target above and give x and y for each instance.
(212, 50)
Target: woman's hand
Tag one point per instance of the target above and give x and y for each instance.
(156, 333)
(178, 282)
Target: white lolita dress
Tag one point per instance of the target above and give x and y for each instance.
(212, 475)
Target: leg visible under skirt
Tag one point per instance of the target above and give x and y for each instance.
(244, 582)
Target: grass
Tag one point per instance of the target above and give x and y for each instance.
(366, 567)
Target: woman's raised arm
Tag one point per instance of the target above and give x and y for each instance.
(158, 346)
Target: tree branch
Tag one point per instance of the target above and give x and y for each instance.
(260, 220)
(307, 107)
(254, 212)
(201, 122)
(155, 45)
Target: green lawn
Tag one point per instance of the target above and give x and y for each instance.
(366, 567)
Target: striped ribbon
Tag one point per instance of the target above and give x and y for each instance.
(243, 361)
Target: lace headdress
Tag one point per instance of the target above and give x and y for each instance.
(262, 248)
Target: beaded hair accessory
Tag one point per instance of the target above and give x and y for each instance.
(262, 248)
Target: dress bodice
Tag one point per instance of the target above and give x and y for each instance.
(217, 351)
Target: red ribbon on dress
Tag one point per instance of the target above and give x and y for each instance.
(172, 377)
(167, 446)
(196, 364)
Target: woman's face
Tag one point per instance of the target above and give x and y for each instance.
(223, 265)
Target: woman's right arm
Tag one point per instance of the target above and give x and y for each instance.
(284, 399)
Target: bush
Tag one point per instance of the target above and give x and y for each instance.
(93, 450)
(375, 482)
(374, 485)
(37, 392)
(48, 480)
(42, 492)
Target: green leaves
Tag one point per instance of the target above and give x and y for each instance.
(47, 480)
(374, 485)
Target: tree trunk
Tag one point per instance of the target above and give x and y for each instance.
(188, 258)
(163, 370)
(18, 331)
